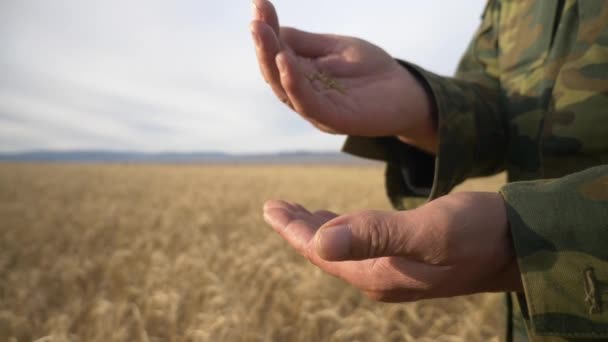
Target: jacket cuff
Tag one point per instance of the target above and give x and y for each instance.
(409, 171)
(365, 147)
(456, 132)
(560, 234)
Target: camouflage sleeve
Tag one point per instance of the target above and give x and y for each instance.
(560, 233)
(472, 129)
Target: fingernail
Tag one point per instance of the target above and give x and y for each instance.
(276, 217)
(266, 217)
(269, 219)
(333, 243)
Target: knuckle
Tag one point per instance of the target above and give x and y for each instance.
(377, 233)
(374, 240)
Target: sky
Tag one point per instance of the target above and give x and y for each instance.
(181, 75)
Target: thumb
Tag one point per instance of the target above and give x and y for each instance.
(308, 44)
(365, 235)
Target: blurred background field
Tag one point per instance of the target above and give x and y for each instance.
(180, 253)
(125, 252)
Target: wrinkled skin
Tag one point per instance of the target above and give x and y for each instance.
(429, 252)
(529, 98)
(433, 251)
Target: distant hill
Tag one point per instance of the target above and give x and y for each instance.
(102, 156)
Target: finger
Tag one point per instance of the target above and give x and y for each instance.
(299, 228)
(285, 211)
(277, 218)
(278, 204)
(365, 235)
(308, 44)
(267, 47)
(295, 226)
(264, 10)
(301, 209)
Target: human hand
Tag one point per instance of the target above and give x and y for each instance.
(456, 245)
(341, 84)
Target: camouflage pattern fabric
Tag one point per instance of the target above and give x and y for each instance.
(530, 97)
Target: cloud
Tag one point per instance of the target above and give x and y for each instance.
(181, 75)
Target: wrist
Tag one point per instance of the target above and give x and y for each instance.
(419, 111)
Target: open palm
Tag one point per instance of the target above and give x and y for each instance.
(340, 84)
(429, 252)
(389, 279)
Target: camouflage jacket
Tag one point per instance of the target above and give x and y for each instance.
(530, 97)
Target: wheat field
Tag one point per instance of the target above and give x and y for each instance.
(181, 253)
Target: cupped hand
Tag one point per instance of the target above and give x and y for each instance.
(341, 84)
(458, 244)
